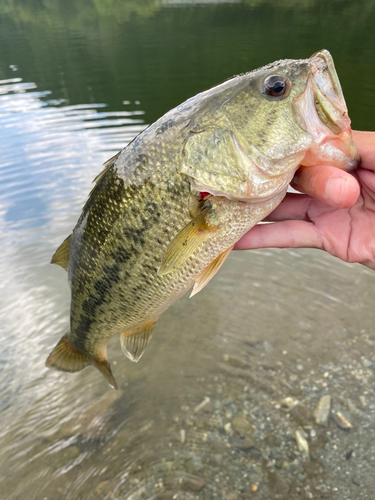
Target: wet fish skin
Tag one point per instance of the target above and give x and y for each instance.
(233, 142)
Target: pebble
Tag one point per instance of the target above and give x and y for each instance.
(363, 401)
(302, 444)
(242, 426)
(71, 452)
(342, 422)
(366, 362)
(323, 488)
(244, 444)
(288, 403)
(194, 483)
(228, 427)
(322, 410)
(202, 405)
(267, 347)
(182, 436)
(103, 487)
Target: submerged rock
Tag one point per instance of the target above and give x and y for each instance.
(322, 410)
(242, 426)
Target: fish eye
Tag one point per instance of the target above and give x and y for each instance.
(275, 85)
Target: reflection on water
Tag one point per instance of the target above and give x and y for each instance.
(211, 410)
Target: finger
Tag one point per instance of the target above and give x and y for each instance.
(293, 206)
(365, 142)
(367, 178)
(328, 184)
(285, 234)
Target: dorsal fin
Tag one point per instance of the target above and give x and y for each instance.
(61, 256)
(209, 272)
(107, 165)
(134, 342)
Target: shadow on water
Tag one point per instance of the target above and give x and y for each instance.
(212, 409)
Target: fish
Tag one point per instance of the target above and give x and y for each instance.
(166, 211)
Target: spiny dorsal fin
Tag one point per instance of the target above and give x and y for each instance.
(134, 342)
(61, 256)
(186, 242)
(210, 271)
(107, 165)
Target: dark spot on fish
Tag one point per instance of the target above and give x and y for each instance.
(135, 235)
(102, 286)
(142, 159)
(111, 274)
(139, 169)
(151, 207)
(121, 255)
(92, 303)
(83, 327)
(164, 126)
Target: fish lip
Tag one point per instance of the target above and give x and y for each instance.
(322, 112)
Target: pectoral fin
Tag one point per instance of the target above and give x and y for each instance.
(134, 342)
(61, 256)
(210, 272)
(187, 241)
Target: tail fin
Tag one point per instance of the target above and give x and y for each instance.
(65, 358)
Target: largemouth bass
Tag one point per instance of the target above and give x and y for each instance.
(167, 210)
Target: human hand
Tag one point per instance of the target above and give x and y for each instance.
(336, 213)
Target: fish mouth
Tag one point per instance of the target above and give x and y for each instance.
(322, 111)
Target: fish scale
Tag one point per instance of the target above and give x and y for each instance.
(167, 210)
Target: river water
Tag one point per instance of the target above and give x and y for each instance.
(212, 409)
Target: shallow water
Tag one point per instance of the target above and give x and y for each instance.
(202, 415)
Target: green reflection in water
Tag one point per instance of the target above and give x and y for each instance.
(150, 51)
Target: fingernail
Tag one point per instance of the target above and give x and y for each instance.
(335, 191)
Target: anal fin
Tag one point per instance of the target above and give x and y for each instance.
(134, 342)
(209, 272)
(61, 256)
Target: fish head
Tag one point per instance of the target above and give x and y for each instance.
(257, 129)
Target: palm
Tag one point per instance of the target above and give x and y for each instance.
(345, 233)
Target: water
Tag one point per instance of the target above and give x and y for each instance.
(78, 80)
